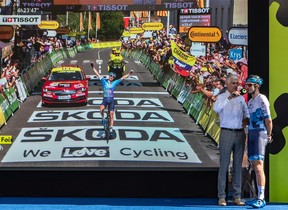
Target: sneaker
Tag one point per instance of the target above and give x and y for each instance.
(238, 202)
(103, 122)
(222, 202)
(250, 202)
(258, 203)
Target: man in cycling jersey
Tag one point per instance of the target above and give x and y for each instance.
(259, 135)
(108, 93)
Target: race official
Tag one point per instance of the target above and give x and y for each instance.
(234, 117)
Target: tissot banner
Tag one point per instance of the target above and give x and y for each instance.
(20, 19)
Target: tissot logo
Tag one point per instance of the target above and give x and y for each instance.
(9, 20)
(20, 19)
(76, 152)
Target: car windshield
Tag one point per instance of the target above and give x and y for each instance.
(57, 76)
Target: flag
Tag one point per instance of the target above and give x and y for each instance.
(144, 14)
(81, 28)
(90, 21)
(98, 21)
(201, 3)
(162, 13)
(183, 62)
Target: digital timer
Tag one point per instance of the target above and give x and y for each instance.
(27, 10)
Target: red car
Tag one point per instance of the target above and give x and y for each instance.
(65, 85)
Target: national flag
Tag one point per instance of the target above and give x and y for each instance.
(81, 28)
(163, 13)
(183, 62)
(90, 21)
(201, 3)
(98, 21)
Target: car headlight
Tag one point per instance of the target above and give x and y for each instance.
(83, 89)
(46, 90)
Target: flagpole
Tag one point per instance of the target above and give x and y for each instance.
(149, 16)
(89, 22)
(67, 18)
(168, 22)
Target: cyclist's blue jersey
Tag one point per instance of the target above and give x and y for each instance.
(259, 109)
(108, 87)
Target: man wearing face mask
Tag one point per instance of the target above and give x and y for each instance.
(234, 117)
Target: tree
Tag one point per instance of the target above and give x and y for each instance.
(112, 25)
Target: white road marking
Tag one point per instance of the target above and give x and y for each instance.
(133, 92)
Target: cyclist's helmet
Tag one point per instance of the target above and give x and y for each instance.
(112, 74)
(114, 49)
(254, 79)
(117, 52)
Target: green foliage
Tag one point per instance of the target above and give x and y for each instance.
(73, 21)
(112, 24)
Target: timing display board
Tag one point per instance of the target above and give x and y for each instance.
(61, 6)
(194, 17)
(186, 21)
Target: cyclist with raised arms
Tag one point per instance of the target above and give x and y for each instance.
(108, 94)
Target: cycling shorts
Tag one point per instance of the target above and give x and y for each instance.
(257, 141)
(108, 101)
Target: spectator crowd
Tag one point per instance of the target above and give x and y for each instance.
(209, 73)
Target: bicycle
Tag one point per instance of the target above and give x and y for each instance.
(106, 125)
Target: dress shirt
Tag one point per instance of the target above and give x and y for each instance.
(231, 112)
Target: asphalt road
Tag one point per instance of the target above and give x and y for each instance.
(153, 130)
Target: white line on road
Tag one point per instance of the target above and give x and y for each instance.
(133, 92)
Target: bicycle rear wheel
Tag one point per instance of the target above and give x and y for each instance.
(107, 126)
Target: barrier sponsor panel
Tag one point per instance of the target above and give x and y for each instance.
(2, 117)
(105, 44)
(62, 144)
(22, 92)
(213, 128)
(204, 115)
(5, 106)
(12, 98)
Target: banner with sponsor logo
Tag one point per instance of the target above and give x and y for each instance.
(94, 115)
(183, 62)
(41, 5)
(2, 117)
(12, 98)
(62, 144)
(20, 19)
(123, 5)
(4, 103)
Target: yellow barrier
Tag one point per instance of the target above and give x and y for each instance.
(2, 117)
(204, 116)
(213, 128)
(106, 44)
